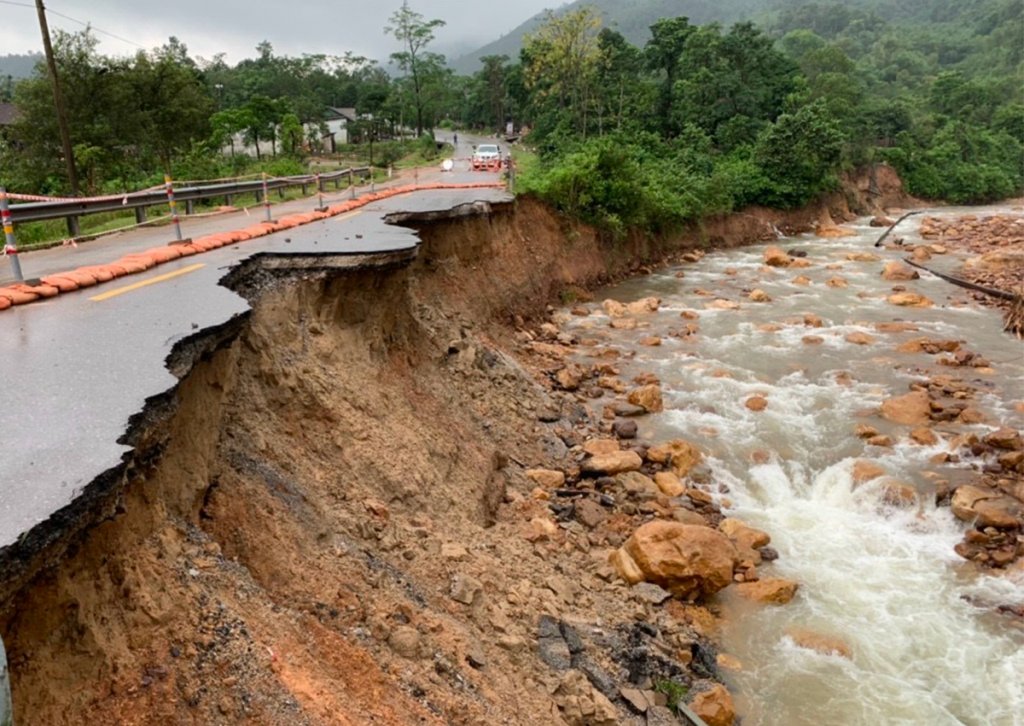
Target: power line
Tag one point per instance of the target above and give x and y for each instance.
(88, 25)
(20, 5)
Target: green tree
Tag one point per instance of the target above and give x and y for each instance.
(416, 34)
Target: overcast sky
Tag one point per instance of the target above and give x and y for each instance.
(293, 27)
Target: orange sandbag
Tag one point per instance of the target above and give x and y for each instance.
(17, 297)
(84, 279)
(5, 303)
(140, 258)
(163, 254)
(61, 282)
(101, 272)
(41, 289)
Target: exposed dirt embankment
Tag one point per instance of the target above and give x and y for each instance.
(329, 521)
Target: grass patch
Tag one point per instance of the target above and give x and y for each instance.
(675, 693)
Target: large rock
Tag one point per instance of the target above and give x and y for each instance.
(911, 409)
(596, 447)
(987, 507)
(570, 377)
(910, 300)
(770, 590)
(680, 455)
(743, 535)
(644, 305)
(614, 309)
(1005, 438)
(899, 271)
(689, 561)
(825, 644)
(669, 484)
(616, 462)
(647, 397)
(714, 706)
(775, 257)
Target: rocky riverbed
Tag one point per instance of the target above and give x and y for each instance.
(703, 391)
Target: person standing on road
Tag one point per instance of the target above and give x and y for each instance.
(455, 141)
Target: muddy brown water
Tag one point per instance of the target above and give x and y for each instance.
(926, 648)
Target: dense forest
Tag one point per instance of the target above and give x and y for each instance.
(695, 119)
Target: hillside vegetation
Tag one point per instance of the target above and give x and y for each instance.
(707, 119)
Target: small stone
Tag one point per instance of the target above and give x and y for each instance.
(812, 340)
(757, 403)
(772, 590)
(714, 706)
(669, 484)
(465, 589)
(648, 397)
(864, 471)
(405, 641)
(475, 657)
(858, 338)
(625, 429)
(547, 478)
(649, 592)
(759, 296)
(635, 698)
(589, 513)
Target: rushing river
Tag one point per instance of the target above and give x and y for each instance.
(885, 580)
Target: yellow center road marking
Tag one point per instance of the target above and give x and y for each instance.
(150, 281)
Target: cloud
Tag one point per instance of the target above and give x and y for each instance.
(234, 27)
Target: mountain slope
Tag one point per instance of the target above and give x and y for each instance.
(632, 18)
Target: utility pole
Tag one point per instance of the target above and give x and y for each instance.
(58, 100)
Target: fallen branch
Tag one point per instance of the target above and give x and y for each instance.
(897, 224)
(1014, 319)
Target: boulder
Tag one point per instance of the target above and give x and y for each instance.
(679, 455)
(863, 257)
(775, 257)
(911, 409)
(596, 447)
(614, 463)
(722, 304)
(756, 403)
(881, 221)
(614, 309)
(637, 484)
(910, 300)
(897, 494)
(669, 484)
(759, 296)
(824, 644)
(570, 377)
(624, 323)
(1005, 438)
(769, 590)
(645, 305)
(650, 341)
(714, 706)
(986, 507)
(547, 478)
(866, 471)
(801, 280)
(647, 397)
(625, 428)
(743, 535)
(689, 561)
(859, 338)
(896, 271)
(924, 436)
(837, 282)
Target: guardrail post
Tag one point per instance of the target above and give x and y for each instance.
(174, 207)
(228, 199)
(140, 215)
(73, 227)
(305, 189)
(352, 182)
(190, 207)
(320, 193)
(10, 246)
(266, 198)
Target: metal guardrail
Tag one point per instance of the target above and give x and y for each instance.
(71, 210)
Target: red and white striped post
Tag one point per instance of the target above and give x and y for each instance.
(266, 198)
(10, 242)
(173, 205)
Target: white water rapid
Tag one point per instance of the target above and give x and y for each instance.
(927, 647)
